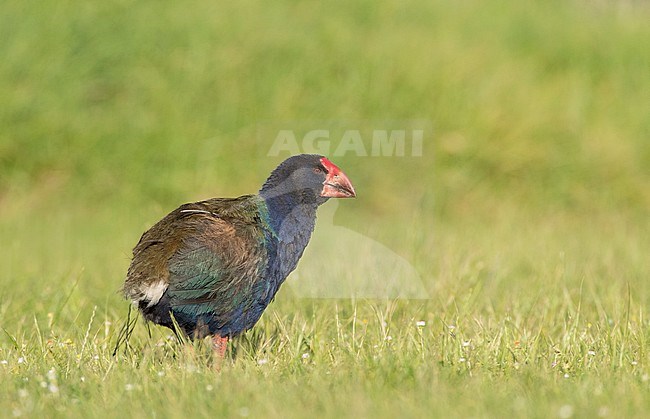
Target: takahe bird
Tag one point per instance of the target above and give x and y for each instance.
(213, 266)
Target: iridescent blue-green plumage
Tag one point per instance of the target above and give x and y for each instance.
(215, 265)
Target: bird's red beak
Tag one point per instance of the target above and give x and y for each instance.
(337, 184)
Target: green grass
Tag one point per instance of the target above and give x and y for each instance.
(526, 217)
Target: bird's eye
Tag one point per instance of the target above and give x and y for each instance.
(318, 170)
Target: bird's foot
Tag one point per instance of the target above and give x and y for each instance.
(219, 346)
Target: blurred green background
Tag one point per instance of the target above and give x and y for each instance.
(534, 178)
(114, 114)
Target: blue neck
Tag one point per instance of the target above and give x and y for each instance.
(291, 221)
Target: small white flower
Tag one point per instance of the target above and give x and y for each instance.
(451, 327)
(592, 353)
(420, 323)
(82, 379)
(22, 393)
(43, 384)
(209, 387)
(462, 360)
(161, 373)
(4, 362)
(21, 360)
(634, 363)
(465, 343)
(51, 374)
(566, 375)
(262, 361)
(565, 411)
(53, 388)
(96, 357)
(389, 338)
(645, 377)
(305, 356)
(128, 387)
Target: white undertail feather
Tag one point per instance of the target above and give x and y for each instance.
(152, 293)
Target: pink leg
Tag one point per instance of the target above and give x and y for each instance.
(219, 345)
